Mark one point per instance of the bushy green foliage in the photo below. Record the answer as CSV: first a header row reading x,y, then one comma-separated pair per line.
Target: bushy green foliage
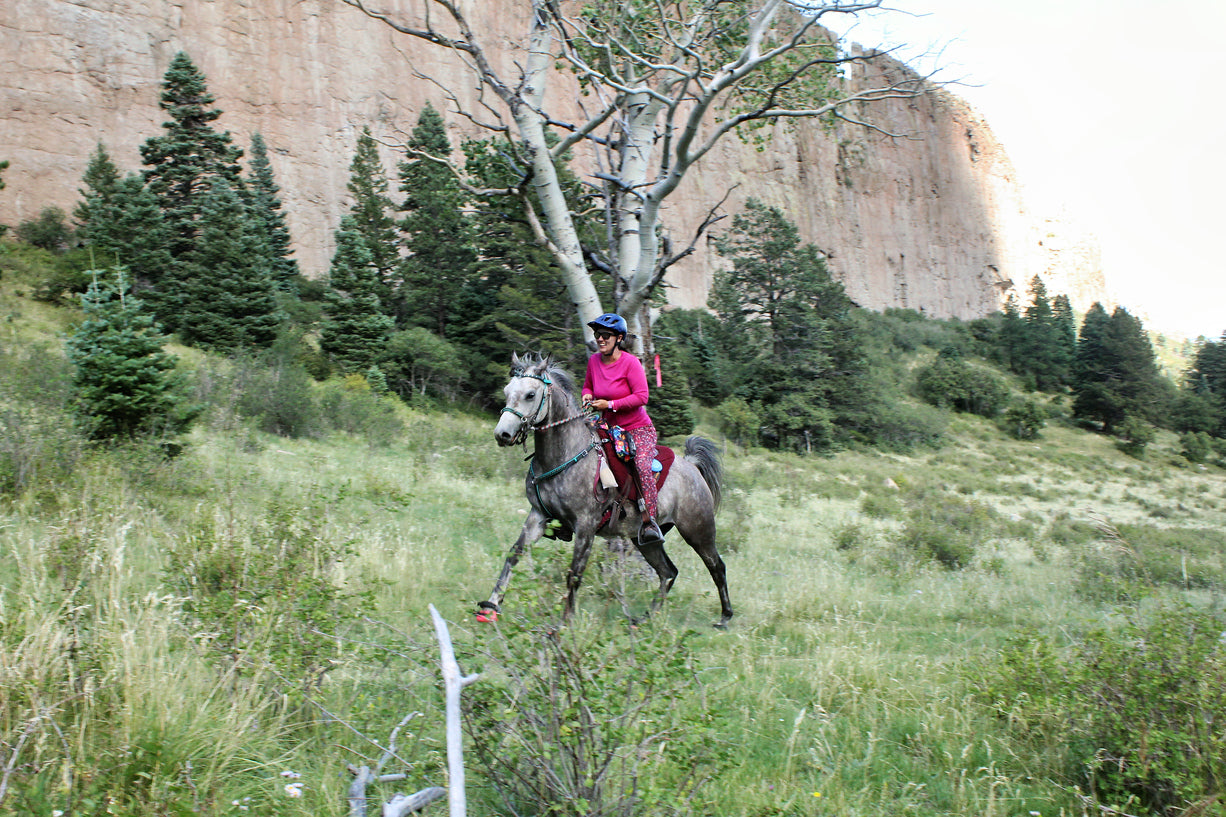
x,y
1024,419
1196,446
124,382
738,420
1136,707
1135,435
950,382
945,529
49,230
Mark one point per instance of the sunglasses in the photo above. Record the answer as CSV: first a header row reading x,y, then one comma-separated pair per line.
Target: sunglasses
x,y
604,335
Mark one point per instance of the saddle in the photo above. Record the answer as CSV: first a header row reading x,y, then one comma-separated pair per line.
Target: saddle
x,y
627,486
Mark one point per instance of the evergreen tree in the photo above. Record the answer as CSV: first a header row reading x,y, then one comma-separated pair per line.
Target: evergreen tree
x,y
437,233
670,400
269,219
101,178
355,331
514,297
127,227
1011,335
372,213
1066,336
1204,399
1116,373
1040,359
184,160
124,382
228,299
798,349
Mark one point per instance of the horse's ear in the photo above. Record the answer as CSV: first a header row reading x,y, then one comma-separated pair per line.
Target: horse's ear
x,y
516,363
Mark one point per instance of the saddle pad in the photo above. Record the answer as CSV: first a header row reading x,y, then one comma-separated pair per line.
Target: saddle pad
x,y
621,470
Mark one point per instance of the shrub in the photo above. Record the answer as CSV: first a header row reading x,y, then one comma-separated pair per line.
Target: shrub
x,y
946,530
1196,446
593,720
1134,436
50,231
1137,707
1024,420
950,382
352,406
738,420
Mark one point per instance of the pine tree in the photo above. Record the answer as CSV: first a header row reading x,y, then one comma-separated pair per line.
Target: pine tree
x,y
670,401
124,382
269,219
101,178
372,213
438,235
228,298
798,349
183,161
1116,375
514,296
355,331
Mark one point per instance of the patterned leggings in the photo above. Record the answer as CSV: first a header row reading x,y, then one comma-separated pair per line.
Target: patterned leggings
x,y
644,453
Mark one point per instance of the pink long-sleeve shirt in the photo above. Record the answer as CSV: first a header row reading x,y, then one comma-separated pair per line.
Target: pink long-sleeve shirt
x,y
625,384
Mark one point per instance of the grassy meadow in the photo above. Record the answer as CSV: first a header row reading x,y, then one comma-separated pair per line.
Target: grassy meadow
x,y
227,631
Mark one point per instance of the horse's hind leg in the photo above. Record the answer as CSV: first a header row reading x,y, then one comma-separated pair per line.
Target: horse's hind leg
x,y
700,535
534,528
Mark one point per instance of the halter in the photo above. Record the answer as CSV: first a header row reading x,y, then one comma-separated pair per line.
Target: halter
x,y
527,425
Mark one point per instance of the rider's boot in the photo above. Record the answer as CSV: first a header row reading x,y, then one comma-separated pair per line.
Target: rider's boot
x,y
649,529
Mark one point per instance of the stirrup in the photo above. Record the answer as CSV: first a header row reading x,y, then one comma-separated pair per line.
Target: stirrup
x,y
650,533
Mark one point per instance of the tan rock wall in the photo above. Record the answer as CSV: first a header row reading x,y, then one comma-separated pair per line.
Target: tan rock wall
x,y
931,219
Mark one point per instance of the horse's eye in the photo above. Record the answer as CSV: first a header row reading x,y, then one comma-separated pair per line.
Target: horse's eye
x,y
530,395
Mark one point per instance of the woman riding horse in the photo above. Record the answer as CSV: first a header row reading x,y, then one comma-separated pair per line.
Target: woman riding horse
x,y
616,385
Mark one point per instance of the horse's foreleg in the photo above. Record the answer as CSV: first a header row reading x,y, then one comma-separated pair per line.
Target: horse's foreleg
x,y
533,529
664,568
578,564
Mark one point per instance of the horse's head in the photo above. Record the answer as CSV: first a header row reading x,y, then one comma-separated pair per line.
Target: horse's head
x,y
528,399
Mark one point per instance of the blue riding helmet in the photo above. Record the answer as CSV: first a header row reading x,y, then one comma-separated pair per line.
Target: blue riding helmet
x,y
609,321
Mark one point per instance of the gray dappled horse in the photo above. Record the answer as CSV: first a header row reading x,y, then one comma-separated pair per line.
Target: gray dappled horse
x,y
563,484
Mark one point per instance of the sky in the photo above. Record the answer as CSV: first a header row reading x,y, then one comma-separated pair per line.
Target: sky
x,y
1113,116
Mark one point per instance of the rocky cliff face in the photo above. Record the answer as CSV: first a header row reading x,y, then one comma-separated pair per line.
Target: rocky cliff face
x,y
931,219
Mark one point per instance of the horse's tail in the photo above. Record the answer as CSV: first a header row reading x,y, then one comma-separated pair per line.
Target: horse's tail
x,y
705,456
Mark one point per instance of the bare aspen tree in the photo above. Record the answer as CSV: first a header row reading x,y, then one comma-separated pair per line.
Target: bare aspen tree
x,y
660,83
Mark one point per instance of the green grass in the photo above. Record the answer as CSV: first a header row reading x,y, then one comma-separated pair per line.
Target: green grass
x,y
847,683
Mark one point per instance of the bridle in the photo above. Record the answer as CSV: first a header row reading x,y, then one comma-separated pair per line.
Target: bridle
x,y
527,425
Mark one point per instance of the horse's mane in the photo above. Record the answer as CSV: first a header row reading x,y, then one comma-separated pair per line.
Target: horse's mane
x,y
544,365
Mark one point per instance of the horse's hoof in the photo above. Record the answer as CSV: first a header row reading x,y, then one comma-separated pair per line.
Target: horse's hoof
x,y
487,612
